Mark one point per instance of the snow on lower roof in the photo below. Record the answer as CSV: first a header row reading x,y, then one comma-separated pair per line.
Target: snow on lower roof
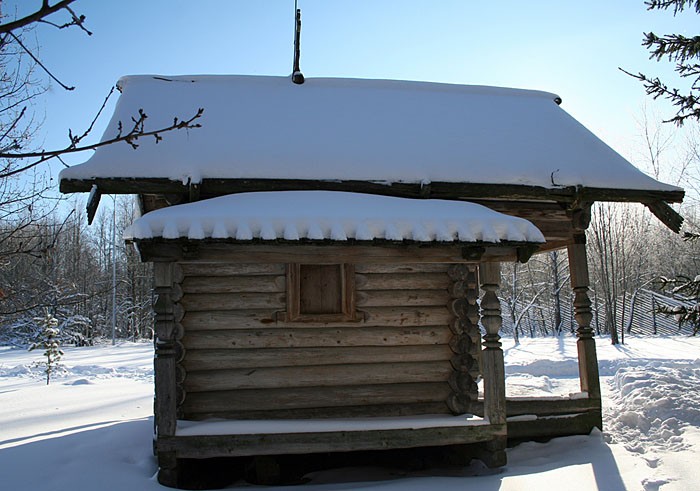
x,y
338,216
351,129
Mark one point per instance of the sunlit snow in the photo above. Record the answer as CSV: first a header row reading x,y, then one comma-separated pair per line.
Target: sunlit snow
x,y
294,215
92,427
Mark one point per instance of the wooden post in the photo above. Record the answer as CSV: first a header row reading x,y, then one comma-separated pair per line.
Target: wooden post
x,y
492,358
165,370
587,358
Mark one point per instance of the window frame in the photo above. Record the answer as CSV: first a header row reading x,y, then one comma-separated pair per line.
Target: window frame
x,y
347,304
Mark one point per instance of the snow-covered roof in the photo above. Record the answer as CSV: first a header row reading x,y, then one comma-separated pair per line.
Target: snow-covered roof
x,y
256,127
338,216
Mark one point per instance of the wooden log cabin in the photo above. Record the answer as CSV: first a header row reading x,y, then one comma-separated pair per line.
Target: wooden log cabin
x,y
319,253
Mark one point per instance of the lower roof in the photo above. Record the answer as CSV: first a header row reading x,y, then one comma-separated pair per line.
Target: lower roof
x,y
332,216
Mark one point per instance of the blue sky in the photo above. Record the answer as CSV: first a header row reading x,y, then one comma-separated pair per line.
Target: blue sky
x,y
570,48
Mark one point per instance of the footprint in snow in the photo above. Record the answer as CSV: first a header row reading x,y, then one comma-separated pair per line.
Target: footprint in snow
x,y
654,484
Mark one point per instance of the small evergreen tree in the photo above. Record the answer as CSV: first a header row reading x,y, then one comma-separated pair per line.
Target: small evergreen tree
x,y
49,342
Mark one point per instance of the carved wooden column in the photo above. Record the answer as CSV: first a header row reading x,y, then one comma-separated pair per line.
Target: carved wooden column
x,y
492,358
168,351
578,267
466,340
587,357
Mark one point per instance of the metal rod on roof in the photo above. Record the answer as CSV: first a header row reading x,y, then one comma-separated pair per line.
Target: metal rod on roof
x,y
297,76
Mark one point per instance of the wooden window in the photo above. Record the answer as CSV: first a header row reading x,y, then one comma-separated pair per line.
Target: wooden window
x,y
320,292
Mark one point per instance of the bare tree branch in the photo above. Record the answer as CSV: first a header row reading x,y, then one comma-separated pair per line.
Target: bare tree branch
x,y
76,20
44,11
36,60
137,131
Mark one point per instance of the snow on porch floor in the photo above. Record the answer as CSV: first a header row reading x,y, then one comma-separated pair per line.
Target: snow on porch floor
x,y
252,427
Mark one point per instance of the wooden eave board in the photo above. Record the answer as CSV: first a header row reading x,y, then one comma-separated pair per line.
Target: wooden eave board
x,y
324,252
440,190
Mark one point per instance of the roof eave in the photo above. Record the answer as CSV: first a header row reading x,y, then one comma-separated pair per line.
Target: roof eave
x,y
435,190
158,248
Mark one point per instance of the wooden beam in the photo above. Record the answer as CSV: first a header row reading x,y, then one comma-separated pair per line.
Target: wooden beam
x,y
315,376
209,446
311,397
271,319
223,359
553,426
519,406
364,411
210,270
301,337
234,284
670,217
408,298
93,202
317,252
402,281
438,190
201,302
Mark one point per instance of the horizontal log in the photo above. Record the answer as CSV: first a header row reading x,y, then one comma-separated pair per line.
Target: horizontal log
x,y
316,337
554,244
547,407
317,376
553,426
529,210
371,411
210,446
197,302
518,406
284,253
222,269
409,298
554,230
370,316
323,251
310,397
216,359
401,268
406,316
234,284
229,319
402,281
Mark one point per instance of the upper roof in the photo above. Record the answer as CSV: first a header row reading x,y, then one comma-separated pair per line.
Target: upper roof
x,y
335,216
256,127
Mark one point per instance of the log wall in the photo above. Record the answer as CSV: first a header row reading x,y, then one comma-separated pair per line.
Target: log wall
x,y
407,352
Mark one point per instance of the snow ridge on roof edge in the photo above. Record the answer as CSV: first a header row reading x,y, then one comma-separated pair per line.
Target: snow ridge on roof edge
x,y
390,84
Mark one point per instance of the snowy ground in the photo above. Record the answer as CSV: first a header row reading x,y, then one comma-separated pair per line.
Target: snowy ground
x,y
91,428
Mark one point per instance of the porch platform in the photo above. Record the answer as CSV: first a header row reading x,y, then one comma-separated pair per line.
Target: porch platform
x,y
207,439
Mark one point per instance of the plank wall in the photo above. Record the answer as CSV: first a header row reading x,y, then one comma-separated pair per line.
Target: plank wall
x,y
242,360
